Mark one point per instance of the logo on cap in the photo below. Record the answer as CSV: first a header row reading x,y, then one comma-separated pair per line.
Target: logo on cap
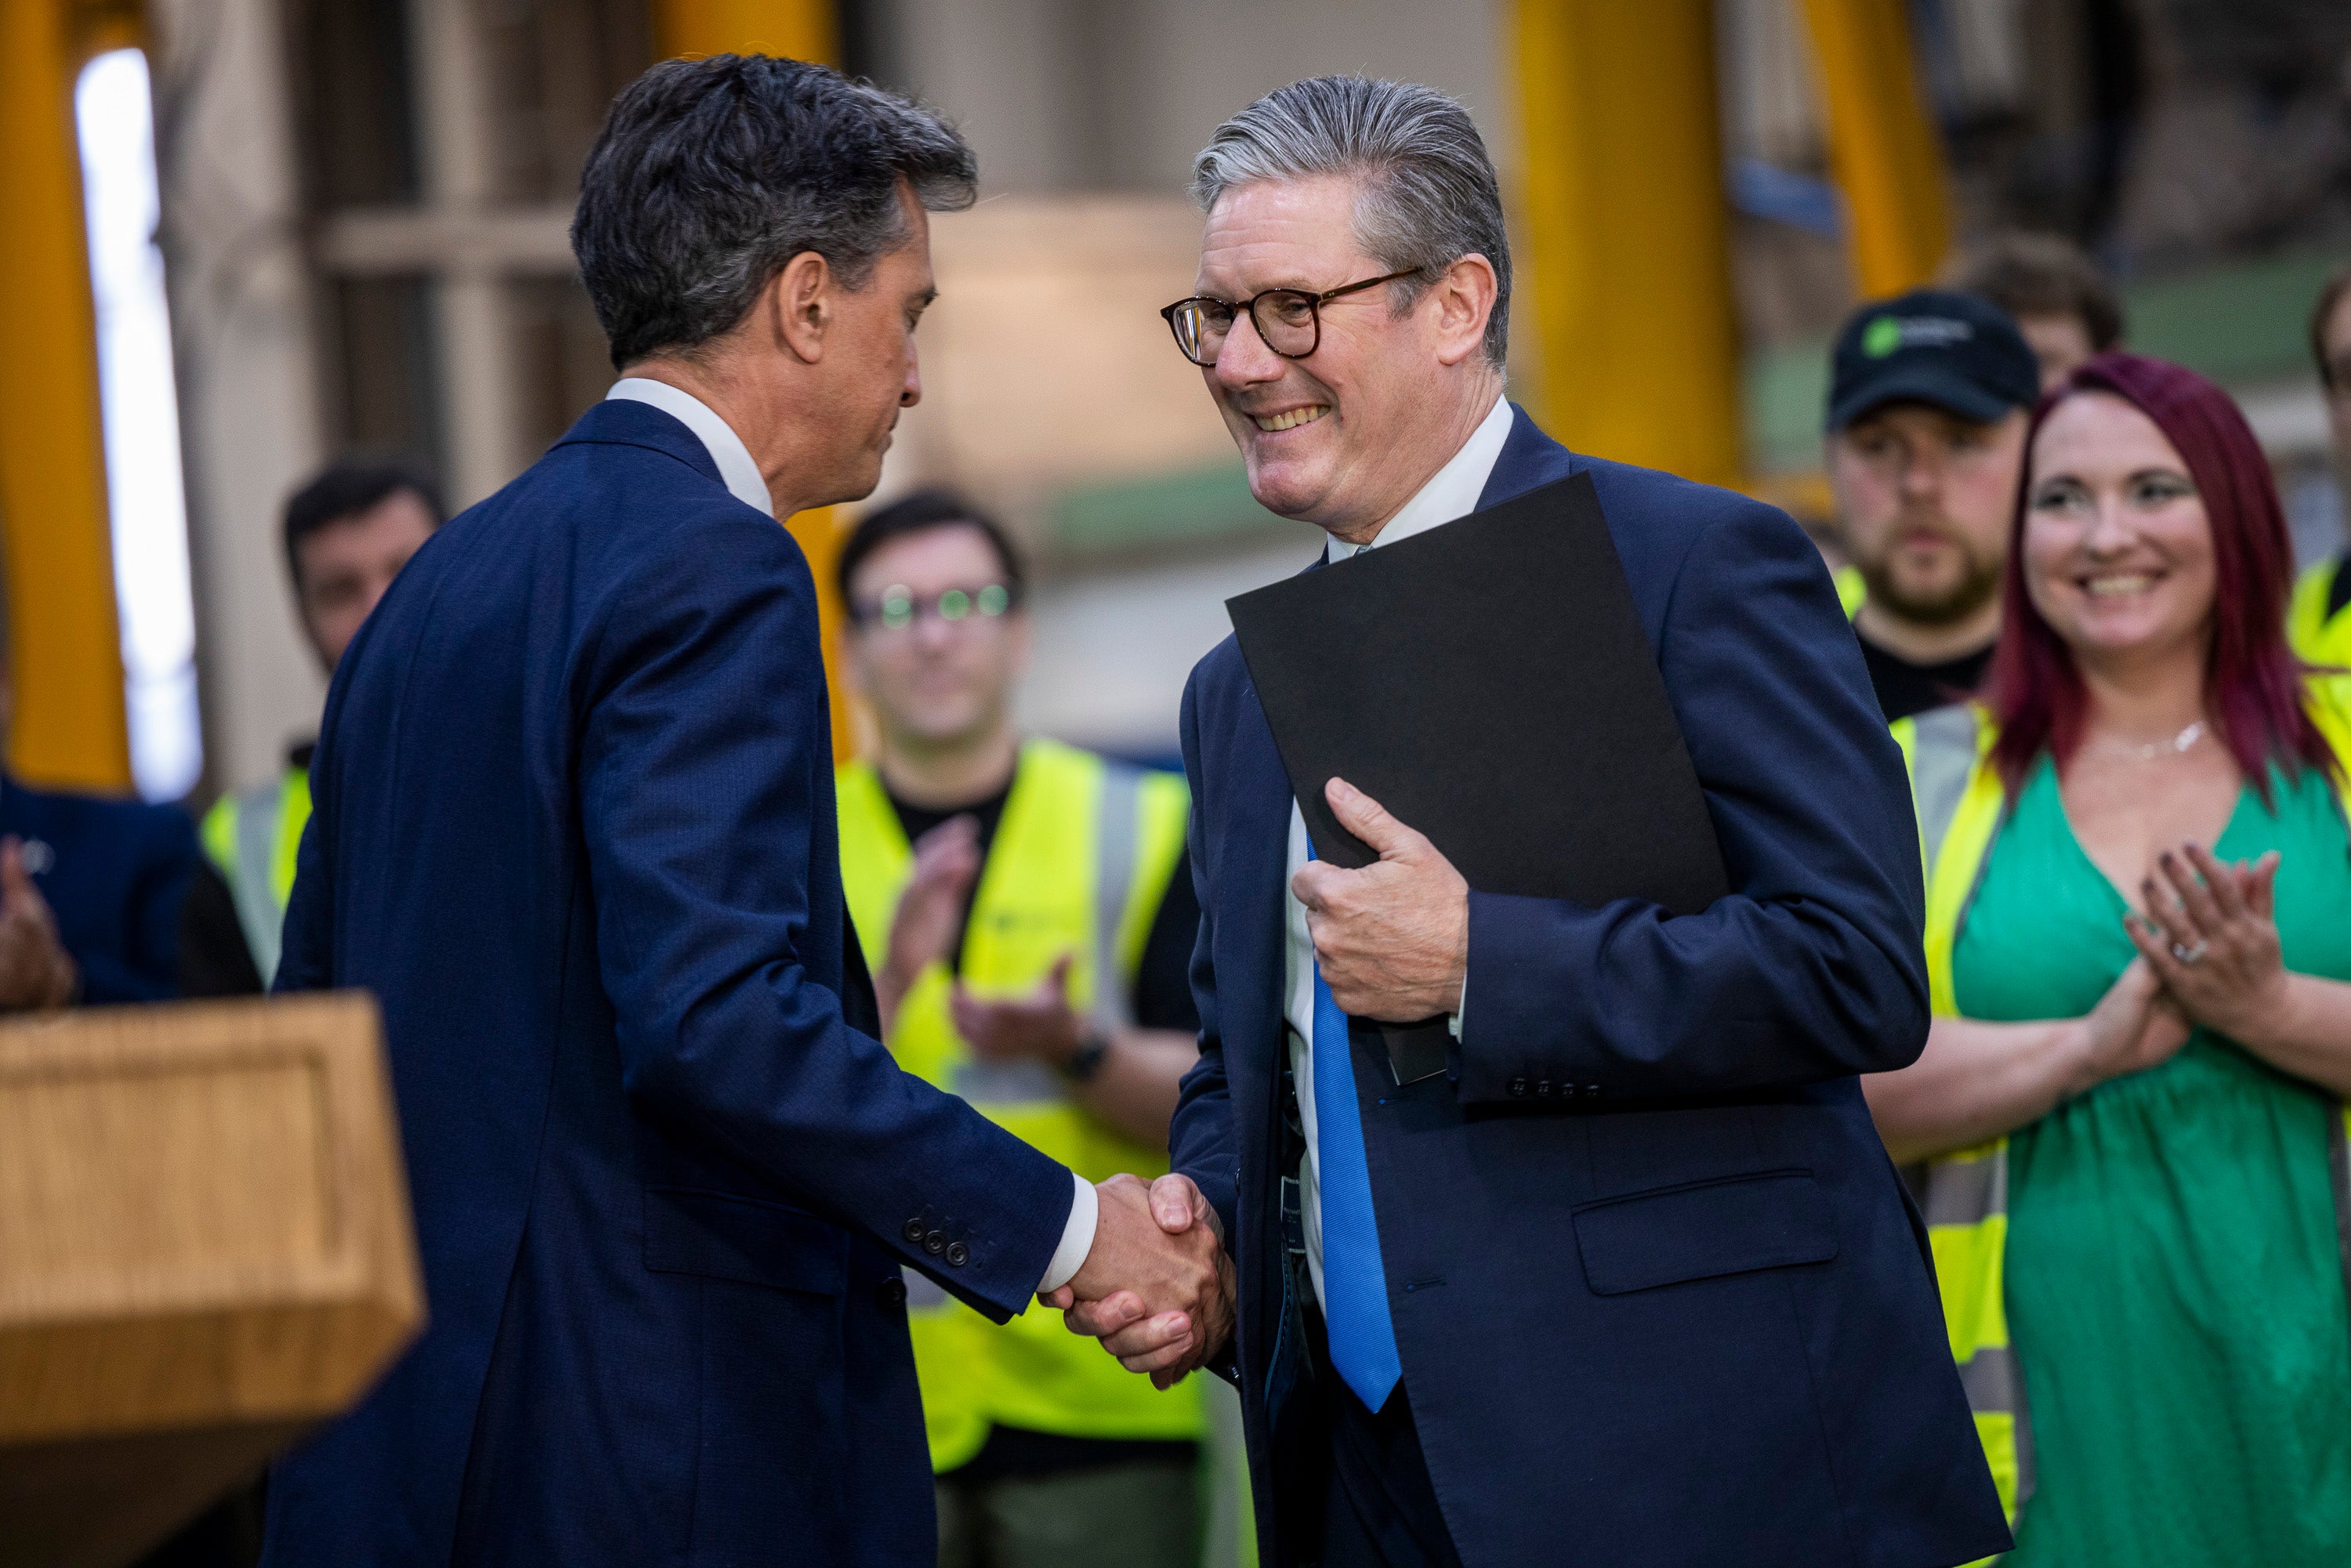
x,y
1887,333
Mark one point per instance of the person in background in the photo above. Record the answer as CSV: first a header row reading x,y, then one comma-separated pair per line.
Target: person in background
x,y
1028,916
2319,623
2133,1088
90,890
1926,427
2060,299
348,533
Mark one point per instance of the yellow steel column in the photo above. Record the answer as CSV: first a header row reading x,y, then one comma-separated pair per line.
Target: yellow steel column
x,y
1882,144
804,30
65,649
1625,244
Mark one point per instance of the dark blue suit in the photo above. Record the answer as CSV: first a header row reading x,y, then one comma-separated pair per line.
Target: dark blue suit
x,y
574,827
114,874
1685,1316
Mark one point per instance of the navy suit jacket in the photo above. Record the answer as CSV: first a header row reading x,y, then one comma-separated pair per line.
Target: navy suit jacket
x,y
574,827
114,874
1686,1314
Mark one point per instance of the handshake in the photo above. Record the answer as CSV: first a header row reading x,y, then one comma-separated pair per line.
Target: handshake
x,y
1158,1287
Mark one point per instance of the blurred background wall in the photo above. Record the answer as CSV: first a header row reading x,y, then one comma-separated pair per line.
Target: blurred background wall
x,y
353,234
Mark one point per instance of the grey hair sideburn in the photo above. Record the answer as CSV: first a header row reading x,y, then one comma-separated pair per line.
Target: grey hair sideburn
x,y
1426,192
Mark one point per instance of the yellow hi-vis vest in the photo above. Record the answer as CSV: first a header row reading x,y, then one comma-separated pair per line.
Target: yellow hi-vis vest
x,y
251,837
1961,808
1079,865
1851,591
2318,637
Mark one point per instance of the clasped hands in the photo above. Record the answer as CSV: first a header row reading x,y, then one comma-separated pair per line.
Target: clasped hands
x,y
1392,940
1157,1287
2209,955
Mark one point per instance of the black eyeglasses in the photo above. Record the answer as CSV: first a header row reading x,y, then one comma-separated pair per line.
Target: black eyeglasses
x,y
1289,319
898,609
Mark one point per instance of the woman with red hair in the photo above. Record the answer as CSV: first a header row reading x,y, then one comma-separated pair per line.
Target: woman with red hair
x,y
2138,935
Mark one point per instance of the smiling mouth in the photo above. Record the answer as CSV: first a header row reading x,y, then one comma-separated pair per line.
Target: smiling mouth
x,y
2117,584
1290,419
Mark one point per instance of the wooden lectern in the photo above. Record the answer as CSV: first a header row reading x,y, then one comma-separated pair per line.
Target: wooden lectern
x,y
204,1249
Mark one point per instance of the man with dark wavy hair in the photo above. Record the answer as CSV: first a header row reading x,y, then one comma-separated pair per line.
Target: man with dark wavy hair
x,y
574,825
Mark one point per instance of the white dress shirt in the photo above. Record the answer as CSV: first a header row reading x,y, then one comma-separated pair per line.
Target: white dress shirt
x,y
743,481
1451,492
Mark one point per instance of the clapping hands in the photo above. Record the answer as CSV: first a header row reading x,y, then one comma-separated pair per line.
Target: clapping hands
x,y
1157,1289
2209,934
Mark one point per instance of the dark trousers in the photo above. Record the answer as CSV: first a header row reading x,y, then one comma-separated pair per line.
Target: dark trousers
x,y
1379,1507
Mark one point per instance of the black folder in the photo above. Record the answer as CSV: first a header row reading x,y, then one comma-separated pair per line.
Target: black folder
x,y
1488,683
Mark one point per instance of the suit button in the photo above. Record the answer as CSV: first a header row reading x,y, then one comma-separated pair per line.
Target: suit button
x,y
958,1254
1591,1092
891,1293
936,1242
1518,1088
913,1231
1542,1090
1567,1091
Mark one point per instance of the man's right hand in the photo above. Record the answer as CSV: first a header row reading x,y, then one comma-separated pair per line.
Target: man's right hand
x,y
947,862
1166,1321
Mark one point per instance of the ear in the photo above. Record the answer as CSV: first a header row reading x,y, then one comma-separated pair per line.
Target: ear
x,y
1465,294
798,305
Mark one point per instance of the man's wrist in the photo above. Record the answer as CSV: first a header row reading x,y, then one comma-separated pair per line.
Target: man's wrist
x,y
1083,1064
1077,1236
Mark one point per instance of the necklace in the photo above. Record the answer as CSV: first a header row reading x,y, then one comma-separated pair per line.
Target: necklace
x,y
2152,749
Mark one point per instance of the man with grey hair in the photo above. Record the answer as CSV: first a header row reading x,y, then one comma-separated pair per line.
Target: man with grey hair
x,y
1632,1282
574,827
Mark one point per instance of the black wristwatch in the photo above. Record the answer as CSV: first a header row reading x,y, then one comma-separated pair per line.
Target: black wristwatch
x,y
1087,1060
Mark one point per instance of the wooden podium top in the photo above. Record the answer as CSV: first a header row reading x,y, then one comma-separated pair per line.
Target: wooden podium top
x,y
204,1248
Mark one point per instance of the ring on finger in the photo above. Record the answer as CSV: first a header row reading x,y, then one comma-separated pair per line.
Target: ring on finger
x,y
2188,954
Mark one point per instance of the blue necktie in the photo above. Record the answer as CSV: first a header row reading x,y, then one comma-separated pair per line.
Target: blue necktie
x,y
1354,1286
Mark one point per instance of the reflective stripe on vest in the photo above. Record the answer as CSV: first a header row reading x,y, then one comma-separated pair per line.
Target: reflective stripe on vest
x,y
1079,865
1962,806
252,838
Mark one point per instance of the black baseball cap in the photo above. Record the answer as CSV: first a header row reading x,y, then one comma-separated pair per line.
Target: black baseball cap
x,y
1954,351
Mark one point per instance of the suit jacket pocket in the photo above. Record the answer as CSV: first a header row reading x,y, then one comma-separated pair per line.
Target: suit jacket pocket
x,y
722,1237
1732,1226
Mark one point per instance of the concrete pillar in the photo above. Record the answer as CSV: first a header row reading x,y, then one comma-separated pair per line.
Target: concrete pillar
x,y
473,335
248,376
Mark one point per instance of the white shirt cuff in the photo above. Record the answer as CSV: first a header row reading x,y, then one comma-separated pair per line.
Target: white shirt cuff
x,y
1077,1237
1460,1005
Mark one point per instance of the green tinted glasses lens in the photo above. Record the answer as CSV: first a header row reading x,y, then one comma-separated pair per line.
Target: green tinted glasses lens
x,y
897,608
953,604
994,601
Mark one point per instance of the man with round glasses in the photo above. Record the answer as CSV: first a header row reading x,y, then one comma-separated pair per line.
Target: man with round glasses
x,y
1027,914
1632,1282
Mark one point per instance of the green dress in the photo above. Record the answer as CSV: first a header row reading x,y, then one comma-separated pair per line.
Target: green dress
x,y
2175,1286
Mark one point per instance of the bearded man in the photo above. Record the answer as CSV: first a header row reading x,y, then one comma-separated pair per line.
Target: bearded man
x,y
1925,434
